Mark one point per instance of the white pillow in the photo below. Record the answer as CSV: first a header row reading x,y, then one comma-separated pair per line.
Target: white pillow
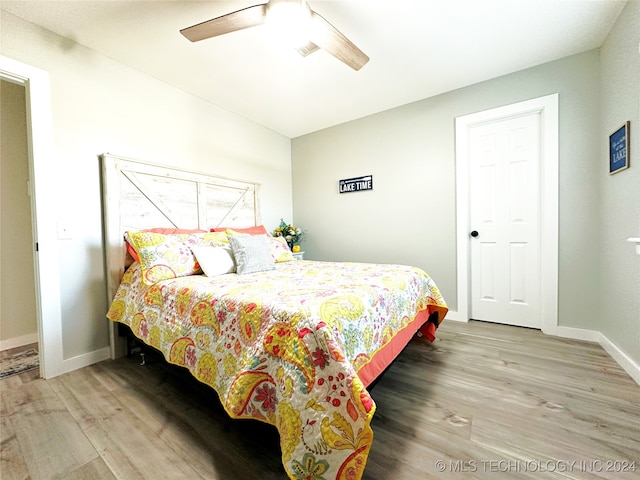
x,y
252,253
214,260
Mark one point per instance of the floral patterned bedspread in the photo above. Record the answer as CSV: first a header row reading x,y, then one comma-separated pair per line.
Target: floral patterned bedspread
x,y
285,346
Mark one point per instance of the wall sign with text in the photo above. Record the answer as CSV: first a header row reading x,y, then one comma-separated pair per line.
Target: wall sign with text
x,y
619,149
356,184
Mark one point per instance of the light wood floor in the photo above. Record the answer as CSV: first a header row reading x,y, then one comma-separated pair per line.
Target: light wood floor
x,y
489,401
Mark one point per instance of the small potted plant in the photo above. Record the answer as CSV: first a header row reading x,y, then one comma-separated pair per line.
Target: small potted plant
x,y
291,234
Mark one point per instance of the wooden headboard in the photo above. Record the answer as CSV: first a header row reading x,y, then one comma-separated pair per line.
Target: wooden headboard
x,y
138,195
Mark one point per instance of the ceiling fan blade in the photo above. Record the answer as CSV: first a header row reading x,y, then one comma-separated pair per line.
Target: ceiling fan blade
x,y
327,37
231,22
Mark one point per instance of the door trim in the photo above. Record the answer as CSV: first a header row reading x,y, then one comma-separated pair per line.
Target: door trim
x,y
547,107
43,210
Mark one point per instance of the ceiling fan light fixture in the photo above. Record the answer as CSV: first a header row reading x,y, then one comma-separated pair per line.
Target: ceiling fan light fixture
x,y
289,21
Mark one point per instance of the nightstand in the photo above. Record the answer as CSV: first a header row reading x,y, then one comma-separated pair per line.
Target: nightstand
x,y
298,255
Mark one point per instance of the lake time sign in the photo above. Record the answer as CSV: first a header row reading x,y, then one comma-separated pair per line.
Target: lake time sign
x,y
356,184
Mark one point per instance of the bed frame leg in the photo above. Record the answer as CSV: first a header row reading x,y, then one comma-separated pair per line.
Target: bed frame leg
x,y
142,360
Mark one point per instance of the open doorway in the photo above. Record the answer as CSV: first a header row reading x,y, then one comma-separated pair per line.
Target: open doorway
x,y
18,318
44,258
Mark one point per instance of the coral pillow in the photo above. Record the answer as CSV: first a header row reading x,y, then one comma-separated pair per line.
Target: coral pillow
x,y
257,230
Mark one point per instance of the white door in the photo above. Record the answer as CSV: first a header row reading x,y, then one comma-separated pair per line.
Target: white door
x,y
504,189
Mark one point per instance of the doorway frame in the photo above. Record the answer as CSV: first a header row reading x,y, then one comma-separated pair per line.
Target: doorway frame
x,y
43,210
547,107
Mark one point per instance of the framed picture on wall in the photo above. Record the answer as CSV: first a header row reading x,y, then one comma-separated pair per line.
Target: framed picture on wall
x,y
619,149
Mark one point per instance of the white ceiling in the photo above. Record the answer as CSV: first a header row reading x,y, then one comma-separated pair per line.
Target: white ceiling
x,y
418,48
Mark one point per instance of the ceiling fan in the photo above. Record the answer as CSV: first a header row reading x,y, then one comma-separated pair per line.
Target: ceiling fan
x,y
311,30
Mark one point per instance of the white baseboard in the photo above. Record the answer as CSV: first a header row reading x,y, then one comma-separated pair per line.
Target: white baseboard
x,y
455,316
625,361
85,360
576,333
18,341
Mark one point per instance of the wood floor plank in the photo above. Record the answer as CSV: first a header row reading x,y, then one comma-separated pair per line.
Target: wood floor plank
x,y
539,444
85,397
132,451
175,408
92,404
96,469
12,462
200,428
50,440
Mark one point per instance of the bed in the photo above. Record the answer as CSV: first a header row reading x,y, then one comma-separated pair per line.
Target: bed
x,y
293,343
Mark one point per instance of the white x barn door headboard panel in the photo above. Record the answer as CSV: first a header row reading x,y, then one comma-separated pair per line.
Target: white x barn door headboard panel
x,y
138,195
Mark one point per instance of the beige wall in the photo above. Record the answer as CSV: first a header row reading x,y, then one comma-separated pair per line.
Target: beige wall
x,y
99,105
17,284
620,193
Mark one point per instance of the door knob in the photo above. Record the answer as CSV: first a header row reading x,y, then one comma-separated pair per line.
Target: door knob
x,y
474,234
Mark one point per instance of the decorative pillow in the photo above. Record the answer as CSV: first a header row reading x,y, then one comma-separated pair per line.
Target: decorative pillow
x,y
257,230
214,260
280,250
164,231
247,231
252,253
170,256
